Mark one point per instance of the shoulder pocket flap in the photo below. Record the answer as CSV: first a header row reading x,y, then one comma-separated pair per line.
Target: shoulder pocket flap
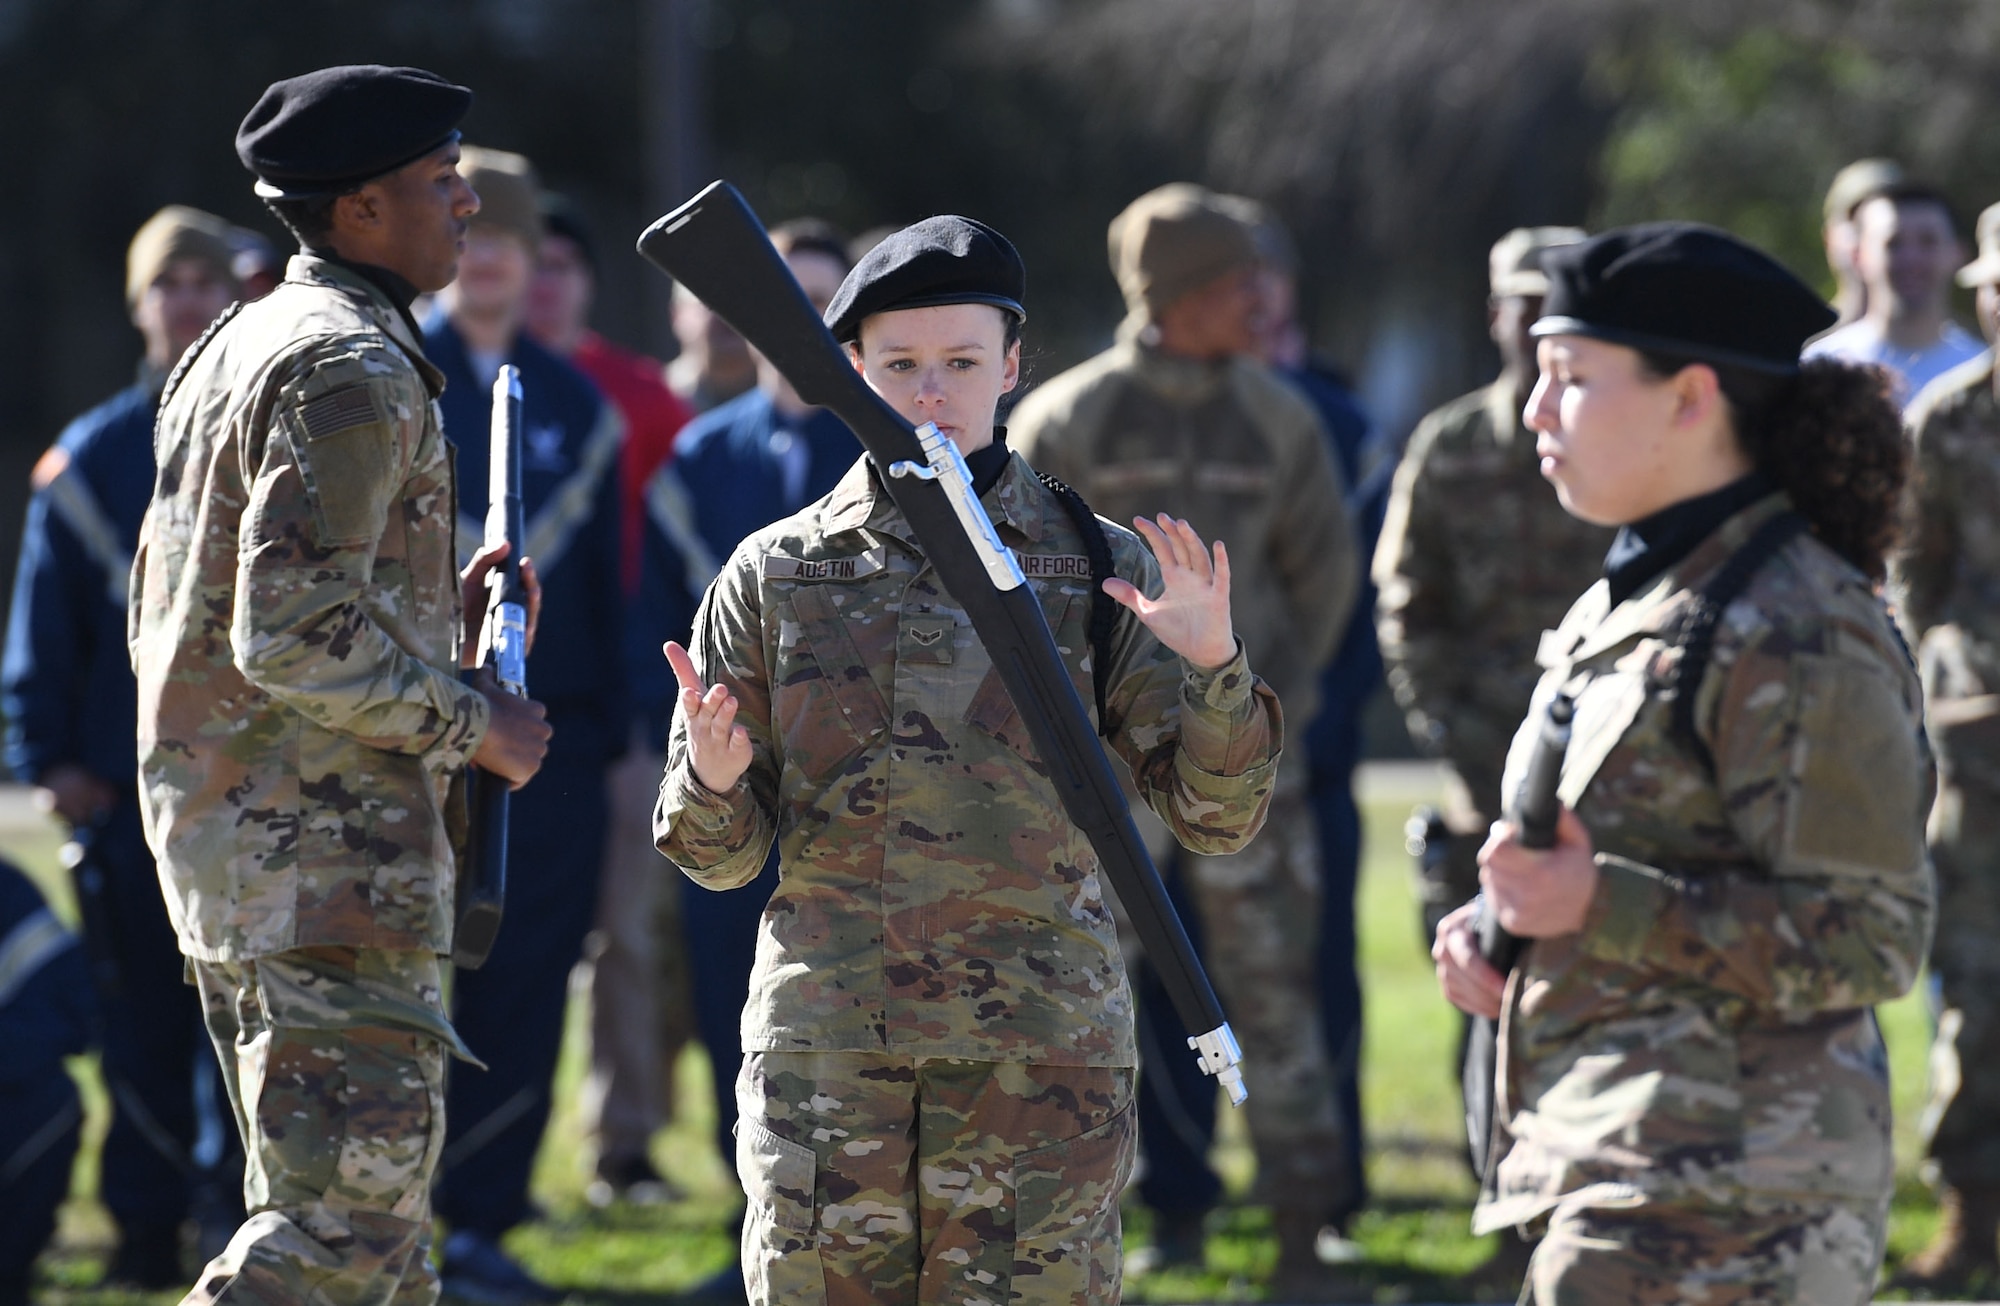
x,y
840,662
1072,1182
778,1173
344,443
1860,772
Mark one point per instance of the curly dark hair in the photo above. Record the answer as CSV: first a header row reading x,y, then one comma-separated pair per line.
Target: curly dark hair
x,y
1832,438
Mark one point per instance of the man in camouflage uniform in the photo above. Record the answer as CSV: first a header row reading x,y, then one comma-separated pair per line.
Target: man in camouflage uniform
x,y
1947,585
1476,560
936,1092
1180,417
296,630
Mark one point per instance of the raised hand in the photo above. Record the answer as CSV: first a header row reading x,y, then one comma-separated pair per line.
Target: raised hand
x,y
1191,616
718,748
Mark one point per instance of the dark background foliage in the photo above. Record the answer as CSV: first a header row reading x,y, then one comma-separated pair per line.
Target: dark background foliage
x,y
1397,137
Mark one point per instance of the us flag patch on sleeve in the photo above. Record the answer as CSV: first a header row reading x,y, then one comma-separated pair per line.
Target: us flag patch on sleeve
x,y
343,410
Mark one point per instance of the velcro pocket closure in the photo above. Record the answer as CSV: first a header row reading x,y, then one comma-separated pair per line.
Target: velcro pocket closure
x,y
1072,1182
344,443
841,665
1859,772
777,1174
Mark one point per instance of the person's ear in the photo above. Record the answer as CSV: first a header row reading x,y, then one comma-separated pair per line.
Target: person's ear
x,y
854,356
1010,371
359,210
1697,395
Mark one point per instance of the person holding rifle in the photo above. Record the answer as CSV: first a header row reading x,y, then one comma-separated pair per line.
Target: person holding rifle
x,y
937,1082
1692,1091
298,630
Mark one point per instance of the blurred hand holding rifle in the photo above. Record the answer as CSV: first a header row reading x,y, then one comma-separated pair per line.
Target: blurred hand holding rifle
x,y
503,651
1536,810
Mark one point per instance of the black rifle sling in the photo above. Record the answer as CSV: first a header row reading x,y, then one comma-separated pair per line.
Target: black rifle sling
x,y
1103,608
1697,639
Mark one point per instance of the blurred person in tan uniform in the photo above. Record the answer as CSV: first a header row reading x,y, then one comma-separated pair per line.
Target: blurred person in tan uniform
x,y
1180,416
1946,581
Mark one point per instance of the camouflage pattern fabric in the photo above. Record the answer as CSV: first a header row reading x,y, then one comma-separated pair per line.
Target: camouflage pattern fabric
x,y
333,1059
1241,456
1238,453
1824,1253
1260,914
879,1178
1946,584
295,630
1476,559
934,899
1704,1044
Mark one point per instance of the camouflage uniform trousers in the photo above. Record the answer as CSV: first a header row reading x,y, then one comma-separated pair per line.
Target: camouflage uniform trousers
x,y
875,1178
1961,1123
1824,1254
333,1058
1259,911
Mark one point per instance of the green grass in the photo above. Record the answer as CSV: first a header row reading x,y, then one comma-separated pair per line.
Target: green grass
x,y
1416,1233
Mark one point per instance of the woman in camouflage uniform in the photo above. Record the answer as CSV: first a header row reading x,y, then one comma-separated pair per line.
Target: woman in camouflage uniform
x,y
1694,1089
937,1081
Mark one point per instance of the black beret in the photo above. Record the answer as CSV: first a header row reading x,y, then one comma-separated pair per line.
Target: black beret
x,y
1682,288
942,260
329,131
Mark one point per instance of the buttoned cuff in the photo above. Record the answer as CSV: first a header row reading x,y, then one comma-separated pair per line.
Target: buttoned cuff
x,y
1626,908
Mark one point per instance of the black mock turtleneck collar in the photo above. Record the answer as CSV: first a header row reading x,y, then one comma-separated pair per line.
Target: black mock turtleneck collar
x,y
400,291
1645,548
987,462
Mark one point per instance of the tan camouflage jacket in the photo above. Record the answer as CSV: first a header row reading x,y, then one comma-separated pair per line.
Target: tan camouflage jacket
x,y
933,897
1947,579
1476,559
295,630
1240,455
1707,1036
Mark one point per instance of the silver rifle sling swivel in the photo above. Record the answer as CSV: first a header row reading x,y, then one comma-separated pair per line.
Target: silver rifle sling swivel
x,y
946,465
1220,1056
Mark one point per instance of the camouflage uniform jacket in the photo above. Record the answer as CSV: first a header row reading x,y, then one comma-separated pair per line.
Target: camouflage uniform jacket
x,y
934,899
295,630
1241,456
1947,580
1477,558
1706,1037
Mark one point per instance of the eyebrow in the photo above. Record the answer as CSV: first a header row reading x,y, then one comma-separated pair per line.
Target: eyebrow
x,y
949,349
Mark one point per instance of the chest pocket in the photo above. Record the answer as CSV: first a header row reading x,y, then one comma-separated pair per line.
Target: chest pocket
x,y
992,709
842,669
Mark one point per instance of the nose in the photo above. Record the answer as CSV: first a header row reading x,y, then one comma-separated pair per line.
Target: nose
x,y
1540,413
930,387
466,203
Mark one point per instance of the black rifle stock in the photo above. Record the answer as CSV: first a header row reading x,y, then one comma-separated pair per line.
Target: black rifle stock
x,y
1535,813
715,246
503,648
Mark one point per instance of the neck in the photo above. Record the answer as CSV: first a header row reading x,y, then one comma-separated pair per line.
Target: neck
x,y
1906,326
564,342
783,398
488,331
1850,301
